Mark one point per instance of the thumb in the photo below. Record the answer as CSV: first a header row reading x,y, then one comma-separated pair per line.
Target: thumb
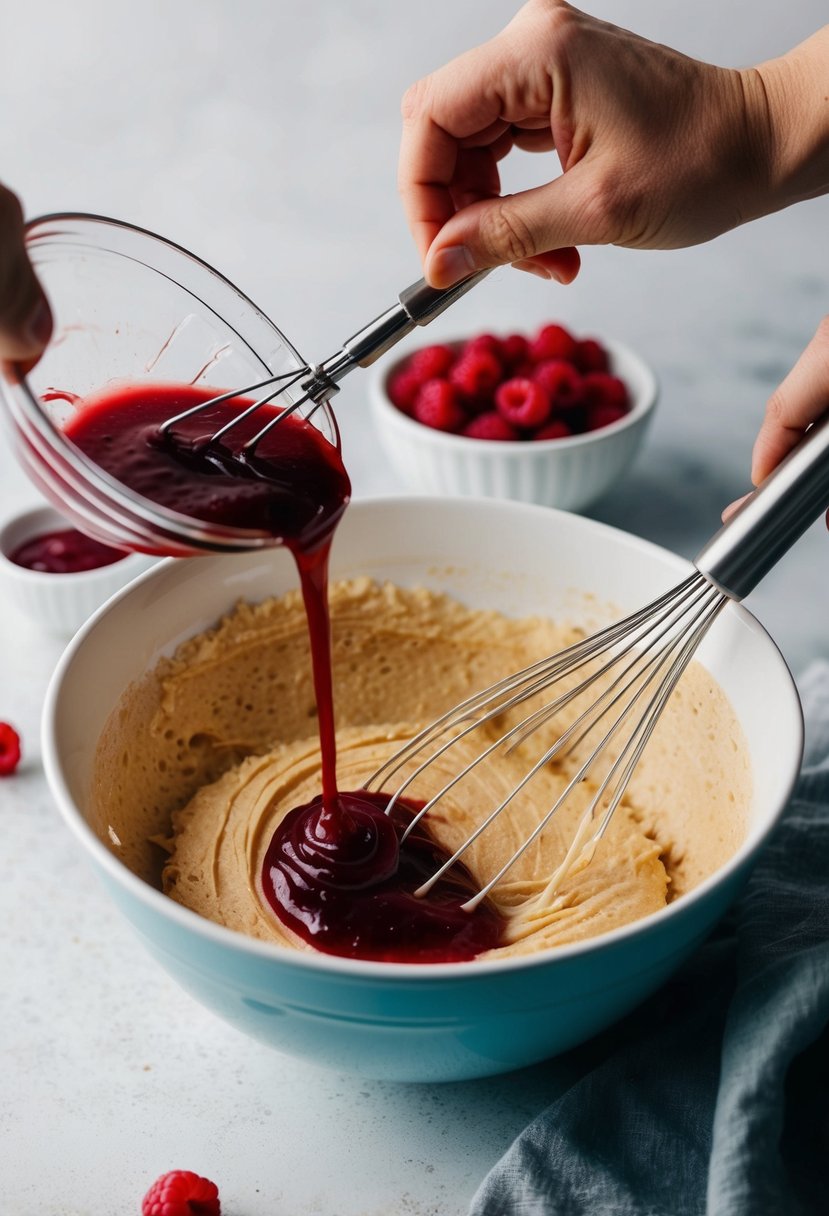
x,y
515,228
25,316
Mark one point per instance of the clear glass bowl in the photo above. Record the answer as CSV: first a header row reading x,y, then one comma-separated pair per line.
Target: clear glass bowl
x,y
132,307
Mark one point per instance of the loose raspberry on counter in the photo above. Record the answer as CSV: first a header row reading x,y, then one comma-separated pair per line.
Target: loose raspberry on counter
x,y
9,749
437,406
181,1193
490,425
476,374
524,403
553,342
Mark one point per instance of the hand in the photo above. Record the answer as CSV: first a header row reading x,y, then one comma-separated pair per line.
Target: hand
x,y
658,151
800,400
25,316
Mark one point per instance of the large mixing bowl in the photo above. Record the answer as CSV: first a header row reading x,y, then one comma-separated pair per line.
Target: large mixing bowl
x,y
437,1021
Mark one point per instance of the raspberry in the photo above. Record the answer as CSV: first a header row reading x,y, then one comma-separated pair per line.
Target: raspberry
x,y
9,749
476,373
561,382
553,342
181,1193
556,428
523,403
431,362
591,356
515,350
600,388
603,413
403,388
487,342
437,406
490,425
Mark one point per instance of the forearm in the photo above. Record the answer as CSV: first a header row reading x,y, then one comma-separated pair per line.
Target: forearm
x,y
791,107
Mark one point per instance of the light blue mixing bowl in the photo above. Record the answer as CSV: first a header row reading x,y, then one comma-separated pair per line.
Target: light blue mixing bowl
x,y
405,1022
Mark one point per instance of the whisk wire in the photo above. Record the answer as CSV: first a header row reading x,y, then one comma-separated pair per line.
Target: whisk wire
x,y
624,765
544,670
522,730
641,656
582,845
201,406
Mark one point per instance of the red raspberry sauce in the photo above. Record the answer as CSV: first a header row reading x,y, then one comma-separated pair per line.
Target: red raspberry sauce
x,y
342,880
295,488
64,551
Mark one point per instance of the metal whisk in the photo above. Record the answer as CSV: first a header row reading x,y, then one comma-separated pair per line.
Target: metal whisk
x,y
315,384
631,668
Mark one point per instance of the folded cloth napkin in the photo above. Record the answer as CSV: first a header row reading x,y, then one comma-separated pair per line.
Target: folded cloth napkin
x,y
712,1099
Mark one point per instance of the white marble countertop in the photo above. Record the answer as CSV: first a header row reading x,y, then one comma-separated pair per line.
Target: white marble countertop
x,y
264,137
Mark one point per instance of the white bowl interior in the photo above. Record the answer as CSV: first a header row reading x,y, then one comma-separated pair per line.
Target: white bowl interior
x,y
515,558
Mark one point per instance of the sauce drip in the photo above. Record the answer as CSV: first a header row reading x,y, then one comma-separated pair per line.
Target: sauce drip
x,y
341,878
335,871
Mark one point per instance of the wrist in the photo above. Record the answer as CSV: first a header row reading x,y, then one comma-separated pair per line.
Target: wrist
x,y
787,107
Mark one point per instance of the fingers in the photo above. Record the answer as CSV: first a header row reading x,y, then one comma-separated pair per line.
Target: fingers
x,y
25,316
800,400
547,220
479,100
429,150
560,264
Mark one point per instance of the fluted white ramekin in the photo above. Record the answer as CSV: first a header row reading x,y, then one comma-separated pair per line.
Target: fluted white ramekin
x,y
569,473
60,603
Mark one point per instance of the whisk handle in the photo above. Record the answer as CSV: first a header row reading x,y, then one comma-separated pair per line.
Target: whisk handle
x,y
769,522
417,305
423,303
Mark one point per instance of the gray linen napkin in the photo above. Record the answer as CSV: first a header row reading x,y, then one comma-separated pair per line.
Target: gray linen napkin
x,y
711,1099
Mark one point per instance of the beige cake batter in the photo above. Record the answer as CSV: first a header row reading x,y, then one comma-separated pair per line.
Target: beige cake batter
x,y
201,760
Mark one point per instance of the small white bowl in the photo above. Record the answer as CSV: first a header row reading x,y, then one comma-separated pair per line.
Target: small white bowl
x,y
60,603
569,473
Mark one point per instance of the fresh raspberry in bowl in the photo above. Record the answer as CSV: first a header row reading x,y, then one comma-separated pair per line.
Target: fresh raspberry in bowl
x,y
524,403
490,425
437,405
476,374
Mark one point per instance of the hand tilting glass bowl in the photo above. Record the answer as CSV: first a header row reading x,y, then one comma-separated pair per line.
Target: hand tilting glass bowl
x,y
131,307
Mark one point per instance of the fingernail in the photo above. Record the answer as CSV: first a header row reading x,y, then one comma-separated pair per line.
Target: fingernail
x,y
39,328
450,265
733,507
